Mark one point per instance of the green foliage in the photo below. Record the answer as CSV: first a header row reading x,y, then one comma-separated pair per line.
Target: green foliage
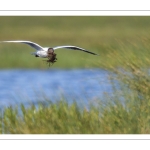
x,y
59,118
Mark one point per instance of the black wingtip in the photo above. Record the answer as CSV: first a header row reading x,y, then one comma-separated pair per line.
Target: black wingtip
x,y
92,53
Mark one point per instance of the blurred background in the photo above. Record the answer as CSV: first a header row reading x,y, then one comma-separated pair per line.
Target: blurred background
x,y
80,93
100,34
118,41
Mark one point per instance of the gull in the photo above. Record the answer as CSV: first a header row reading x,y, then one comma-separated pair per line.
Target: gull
x,y
48,52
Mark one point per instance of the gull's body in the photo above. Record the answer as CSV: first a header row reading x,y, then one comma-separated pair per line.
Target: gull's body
x,y
45,51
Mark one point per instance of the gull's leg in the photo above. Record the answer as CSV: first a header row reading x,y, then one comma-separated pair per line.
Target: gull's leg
x,y
36,55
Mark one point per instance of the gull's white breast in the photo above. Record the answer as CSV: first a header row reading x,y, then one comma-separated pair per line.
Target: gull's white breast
x,y
42,54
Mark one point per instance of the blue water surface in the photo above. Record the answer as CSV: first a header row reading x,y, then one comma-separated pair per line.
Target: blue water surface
x,y
30,86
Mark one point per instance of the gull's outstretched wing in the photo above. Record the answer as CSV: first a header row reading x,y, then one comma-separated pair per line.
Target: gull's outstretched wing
x,y
74,48
34,45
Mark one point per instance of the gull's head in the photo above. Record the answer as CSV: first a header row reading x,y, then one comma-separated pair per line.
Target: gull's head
x,y
51,56
50,50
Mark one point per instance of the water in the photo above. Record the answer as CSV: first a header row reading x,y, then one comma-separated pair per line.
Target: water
x,y
29,86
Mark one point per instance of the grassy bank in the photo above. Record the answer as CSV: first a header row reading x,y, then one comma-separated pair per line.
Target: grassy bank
x,y
116,39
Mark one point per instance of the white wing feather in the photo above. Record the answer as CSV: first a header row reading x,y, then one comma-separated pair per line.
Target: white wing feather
x,y
74,48
34,45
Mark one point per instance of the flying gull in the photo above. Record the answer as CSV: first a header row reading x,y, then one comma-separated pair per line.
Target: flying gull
x,y
48,52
